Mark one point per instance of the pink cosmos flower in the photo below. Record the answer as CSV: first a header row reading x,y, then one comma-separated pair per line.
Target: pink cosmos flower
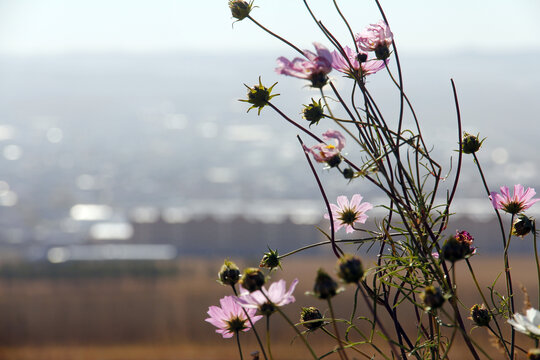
x,y
375,37
522,199
358,61
276,293
314,68
230,318
328,153
346,213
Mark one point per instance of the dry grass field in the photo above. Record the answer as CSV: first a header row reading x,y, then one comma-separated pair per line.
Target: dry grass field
x,y
162,318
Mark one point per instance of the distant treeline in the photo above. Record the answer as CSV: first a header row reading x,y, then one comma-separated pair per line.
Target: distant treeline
x,y
88,269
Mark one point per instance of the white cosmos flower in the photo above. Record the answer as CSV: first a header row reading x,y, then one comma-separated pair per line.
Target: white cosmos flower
x,y
528,324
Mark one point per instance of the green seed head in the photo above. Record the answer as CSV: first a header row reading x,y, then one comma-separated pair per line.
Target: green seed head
x,y
270,260
313,112
240,9
349,269
470,143
432,297
311,314
325,287
252,279
480,315
523,225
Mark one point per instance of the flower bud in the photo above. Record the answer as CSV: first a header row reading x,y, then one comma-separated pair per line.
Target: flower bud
x,y
270,260
458,247
309,314
523,225
334,161
318,79
313,112
533,354
240,9
325,287
267,309
259,96
361,57
382,52
349,268
432,297
348,173
470,143
252,279
229,274
480,315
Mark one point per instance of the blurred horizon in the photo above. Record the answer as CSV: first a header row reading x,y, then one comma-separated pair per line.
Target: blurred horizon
x,y
115,149
130,170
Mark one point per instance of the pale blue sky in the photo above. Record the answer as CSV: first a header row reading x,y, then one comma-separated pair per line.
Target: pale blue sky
x,y
67,26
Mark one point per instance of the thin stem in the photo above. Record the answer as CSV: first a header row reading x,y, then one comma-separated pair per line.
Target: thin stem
x,y
352,241
460,157
336,121
355,303
275,35
292,325
336,249
345,343
238,343
507,274
383,330
508,342
342,353
268,337
454,278
252,326
398,65
509,285
432,337
449,345
499,335
537,263
465,336
346,24
468,341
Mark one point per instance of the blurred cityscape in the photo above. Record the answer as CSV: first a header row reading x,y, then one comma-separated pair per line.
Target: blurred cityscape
x,y
119,156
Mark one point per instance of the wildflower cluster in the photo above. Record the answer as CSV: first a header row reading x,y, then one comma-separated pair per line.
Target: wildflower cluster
x,y
415,254
237,313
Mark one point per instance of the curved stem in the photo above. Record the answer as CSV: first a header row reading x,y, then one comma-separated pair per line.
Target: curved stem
x,y
336,249
336,121
537,263
292,325
238,343
499,335
509,285
268,337
252,327
345,343
355,303
503,235
466,336
352,241
275,35
342,353
383,330
449,345
346,24
505,342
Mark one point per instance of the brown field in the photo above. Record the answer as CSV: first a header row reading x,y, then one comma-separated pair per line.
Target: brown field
x,y
162,318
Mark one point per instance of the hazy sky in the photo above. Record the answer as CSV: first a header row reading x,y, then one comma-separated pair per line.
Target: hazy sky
x,y
67,26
